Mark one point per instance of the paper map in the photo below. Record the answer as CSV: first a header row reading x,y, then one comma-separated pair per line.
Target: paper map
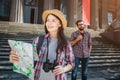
x,y
25,52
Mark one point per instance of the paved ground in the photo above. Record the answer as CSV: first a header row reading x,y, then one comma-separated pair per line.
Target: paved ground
x,y
104,74
93,74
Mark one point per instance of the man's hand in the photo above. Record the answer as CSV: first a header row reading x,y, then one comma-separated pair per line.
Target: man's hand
x,y
80,37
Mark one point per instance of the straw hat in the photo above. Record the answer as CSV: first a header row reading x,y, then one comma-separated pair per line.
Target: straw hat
x,y
57,13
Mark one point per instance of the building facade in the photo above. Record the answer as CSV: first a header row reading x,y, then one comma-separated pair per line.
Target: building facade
x,y
102,12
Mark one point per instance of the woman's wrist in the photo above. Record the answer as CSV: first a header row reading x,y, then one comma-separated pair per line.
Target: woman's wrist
x,y
67,68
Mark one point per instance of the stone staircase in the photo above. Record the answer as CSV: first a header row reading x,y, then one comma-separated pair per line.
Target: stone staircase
x,y
104,55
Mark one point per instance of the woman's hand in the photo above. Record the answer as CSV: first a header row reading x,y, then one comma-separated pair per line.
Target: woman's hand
x,y
13,57
58,70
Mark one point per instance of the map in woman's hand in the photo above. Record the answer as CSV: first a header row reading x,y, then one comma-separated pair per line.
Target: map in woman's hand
x,y
25,52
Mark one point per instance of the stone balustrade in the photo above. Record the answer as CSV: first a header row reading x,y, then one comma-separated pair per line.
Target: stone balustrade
x,y
10,27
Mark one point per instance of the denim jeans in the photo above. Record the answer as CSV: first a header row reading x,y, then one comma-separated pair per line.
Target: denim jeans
x,y
84,67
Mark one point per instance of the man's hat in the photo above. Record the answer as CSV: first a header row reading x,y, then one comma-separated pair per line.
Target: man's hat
x,y
56,12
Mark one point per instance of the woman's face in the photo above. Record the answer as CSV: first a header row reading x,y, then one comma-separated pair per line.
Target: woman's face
x,y
52,23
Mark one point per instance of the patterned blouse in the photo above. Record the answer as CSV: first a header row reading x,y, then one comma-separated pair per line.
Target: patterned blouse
x,y
62,60
81,49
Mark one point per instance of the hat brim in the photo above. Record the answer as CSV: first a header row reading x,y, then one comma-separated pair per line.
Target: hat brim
x,y
56,12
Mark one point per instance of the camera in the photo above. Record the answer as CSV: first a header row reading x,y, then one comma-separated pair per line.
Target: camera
x,y
47,66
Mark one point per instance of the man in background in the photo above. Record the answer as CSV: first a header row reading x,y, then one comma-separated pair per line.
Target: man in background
x,y
82,46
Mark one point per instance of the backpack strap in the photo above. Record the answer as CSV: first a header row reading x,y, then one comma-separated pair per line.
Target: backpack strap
x,y
40,42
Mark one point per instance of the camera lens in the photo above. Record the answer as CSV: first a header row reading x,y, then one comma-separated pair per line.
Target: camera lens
x,y
46,67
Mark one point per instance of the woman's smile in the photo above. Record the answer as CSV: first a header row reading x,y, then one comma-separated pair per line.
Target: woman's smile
x,y
50,27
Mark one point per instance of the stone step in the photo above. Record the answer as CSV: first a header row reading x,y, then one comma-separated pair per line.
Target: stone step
x,y
2,41
102,45
18,34
5,63
11,75
23,38
104,61
112,49
5,50
92,64
6,40
93,52
104,57
31,38
101,41
103,65
93,55
5,45
92,59
4,53
4,58
104,51
6,68
105,54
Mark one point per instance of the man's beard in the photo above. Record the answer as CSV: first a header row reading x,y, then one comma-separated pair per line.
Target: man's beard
x,y
81,29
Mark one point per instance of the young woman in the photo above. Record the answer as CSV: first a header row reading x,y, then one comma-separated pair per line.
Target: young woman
x,y
56,55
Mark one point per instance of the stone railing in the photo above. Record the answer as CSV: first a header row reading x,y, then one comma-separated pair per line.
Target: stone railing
x,y
13,28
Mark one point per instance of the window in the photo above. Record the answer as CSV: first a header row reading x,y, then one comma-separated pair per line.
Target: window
x,y
110,17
